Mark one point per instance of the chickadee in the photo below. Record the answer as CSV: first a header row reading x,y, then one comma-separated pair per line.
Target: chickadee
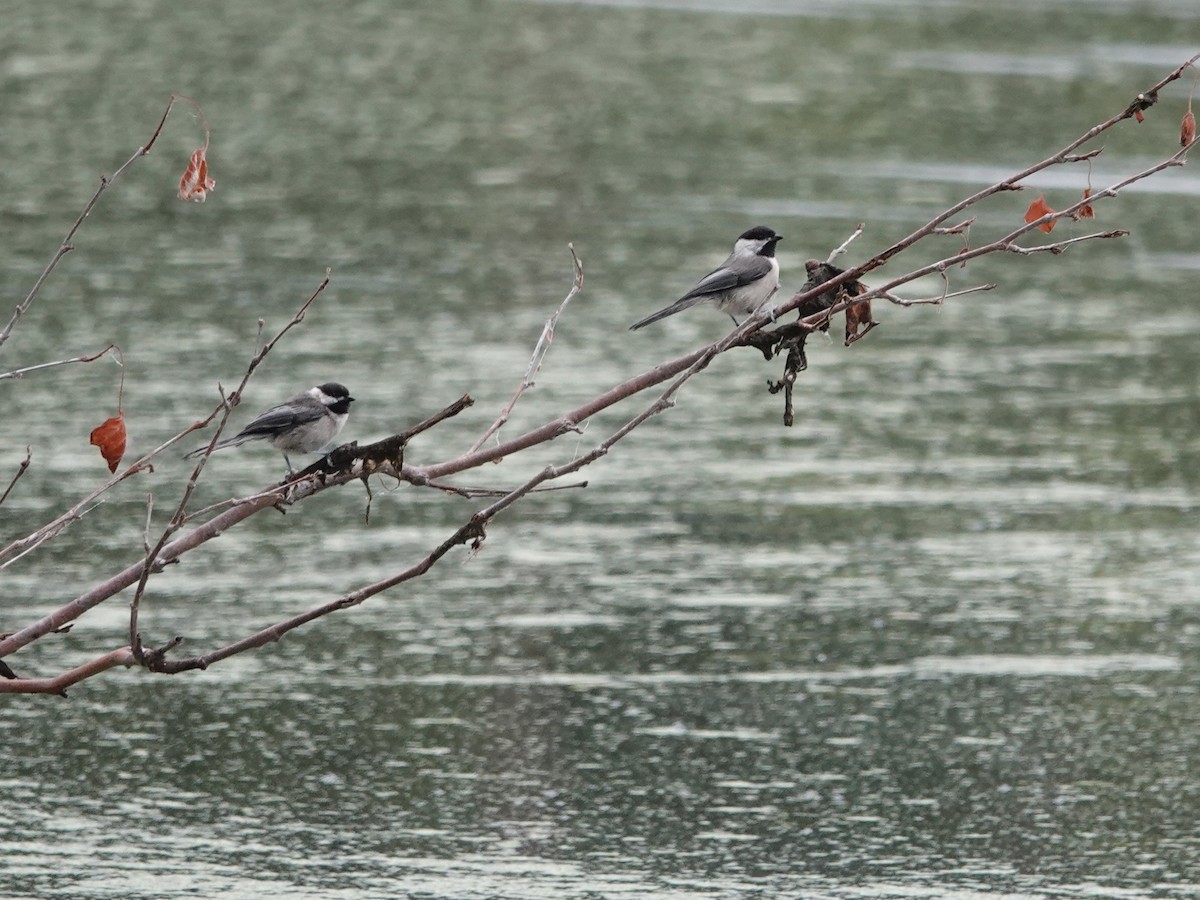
x,y
741,284
304,423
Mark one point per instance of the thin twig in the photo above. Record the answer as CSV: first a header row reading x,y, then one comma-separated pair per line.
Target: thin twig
x,y
437,418
20,373
937,301
1002,244
472,493
960,228
1059,246
539,354
1067,154
66,247
841,249
22,546
146,528
21,470
180,515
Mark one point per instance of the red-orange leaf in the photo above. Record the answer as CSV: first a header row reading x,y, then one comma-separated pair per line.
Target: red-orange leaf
x,y
1187,129
1037,209
1086,211
109,436
195,183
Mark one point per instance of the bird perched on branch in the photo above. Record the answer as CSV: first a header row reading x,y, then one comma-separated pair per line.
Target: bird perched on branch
x,y
305,423
741,284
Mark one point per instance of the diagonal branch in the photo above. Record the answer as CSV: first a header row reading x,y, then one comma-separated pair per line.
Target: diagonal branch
x,y
180,514
937,301
21,469
60,683
290,492
1060,246
675,373
539,355
1141,102
473,531
21,373
1002,244
66,247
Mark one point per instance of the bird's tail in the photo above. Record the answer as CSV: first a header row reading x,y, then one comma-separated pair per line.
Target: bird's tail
x,y
675,307
235,441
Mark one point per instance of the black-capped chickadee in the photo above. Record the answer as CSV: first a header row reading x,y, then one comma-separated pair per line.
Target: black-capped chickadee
x,y
741,284
304,423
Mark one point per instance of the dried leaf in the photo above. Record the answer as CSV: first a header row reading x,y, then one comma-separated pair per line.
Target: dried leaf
x,y
1086,211
1037,209
858,320
109,436
195,183
1187,129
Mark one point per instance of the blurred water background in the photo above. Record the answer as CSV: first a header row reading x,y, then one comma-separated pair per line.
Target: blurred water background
x,y
938,639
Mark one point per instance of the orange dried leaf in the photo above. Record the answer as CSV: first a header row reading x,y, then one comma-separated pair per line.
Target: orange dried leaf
x,y
1086,211
195,183
1037,209
109,436
1187,129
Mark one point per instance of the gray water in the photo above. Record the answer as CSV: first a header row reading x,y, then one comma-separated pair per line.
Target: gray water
x,y
938,639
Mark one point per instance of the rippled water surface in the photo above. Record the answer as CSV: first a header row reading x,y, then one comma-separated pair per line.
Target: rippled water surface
x,y
939,639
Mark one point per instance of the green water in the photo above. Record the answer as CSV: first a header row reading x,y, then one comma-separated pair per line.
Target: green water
x,y
938,639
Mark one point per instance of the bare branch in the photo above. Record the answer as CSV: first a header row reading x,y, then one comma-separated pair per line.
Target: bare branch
x,y
937,301
1002,244
66,247
841,249
352,462
60,683
473,531
1060,246
146,528
232,400
961,228
474,492
1083,157
22,546
1141,102
437,418
20,373
21,469
180,514
539,354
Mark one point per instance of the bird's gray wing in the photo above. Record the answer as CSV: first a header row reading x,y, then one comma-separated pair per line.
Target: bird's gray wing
x,y
285,415
728,277
723,279
270,423
277,417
